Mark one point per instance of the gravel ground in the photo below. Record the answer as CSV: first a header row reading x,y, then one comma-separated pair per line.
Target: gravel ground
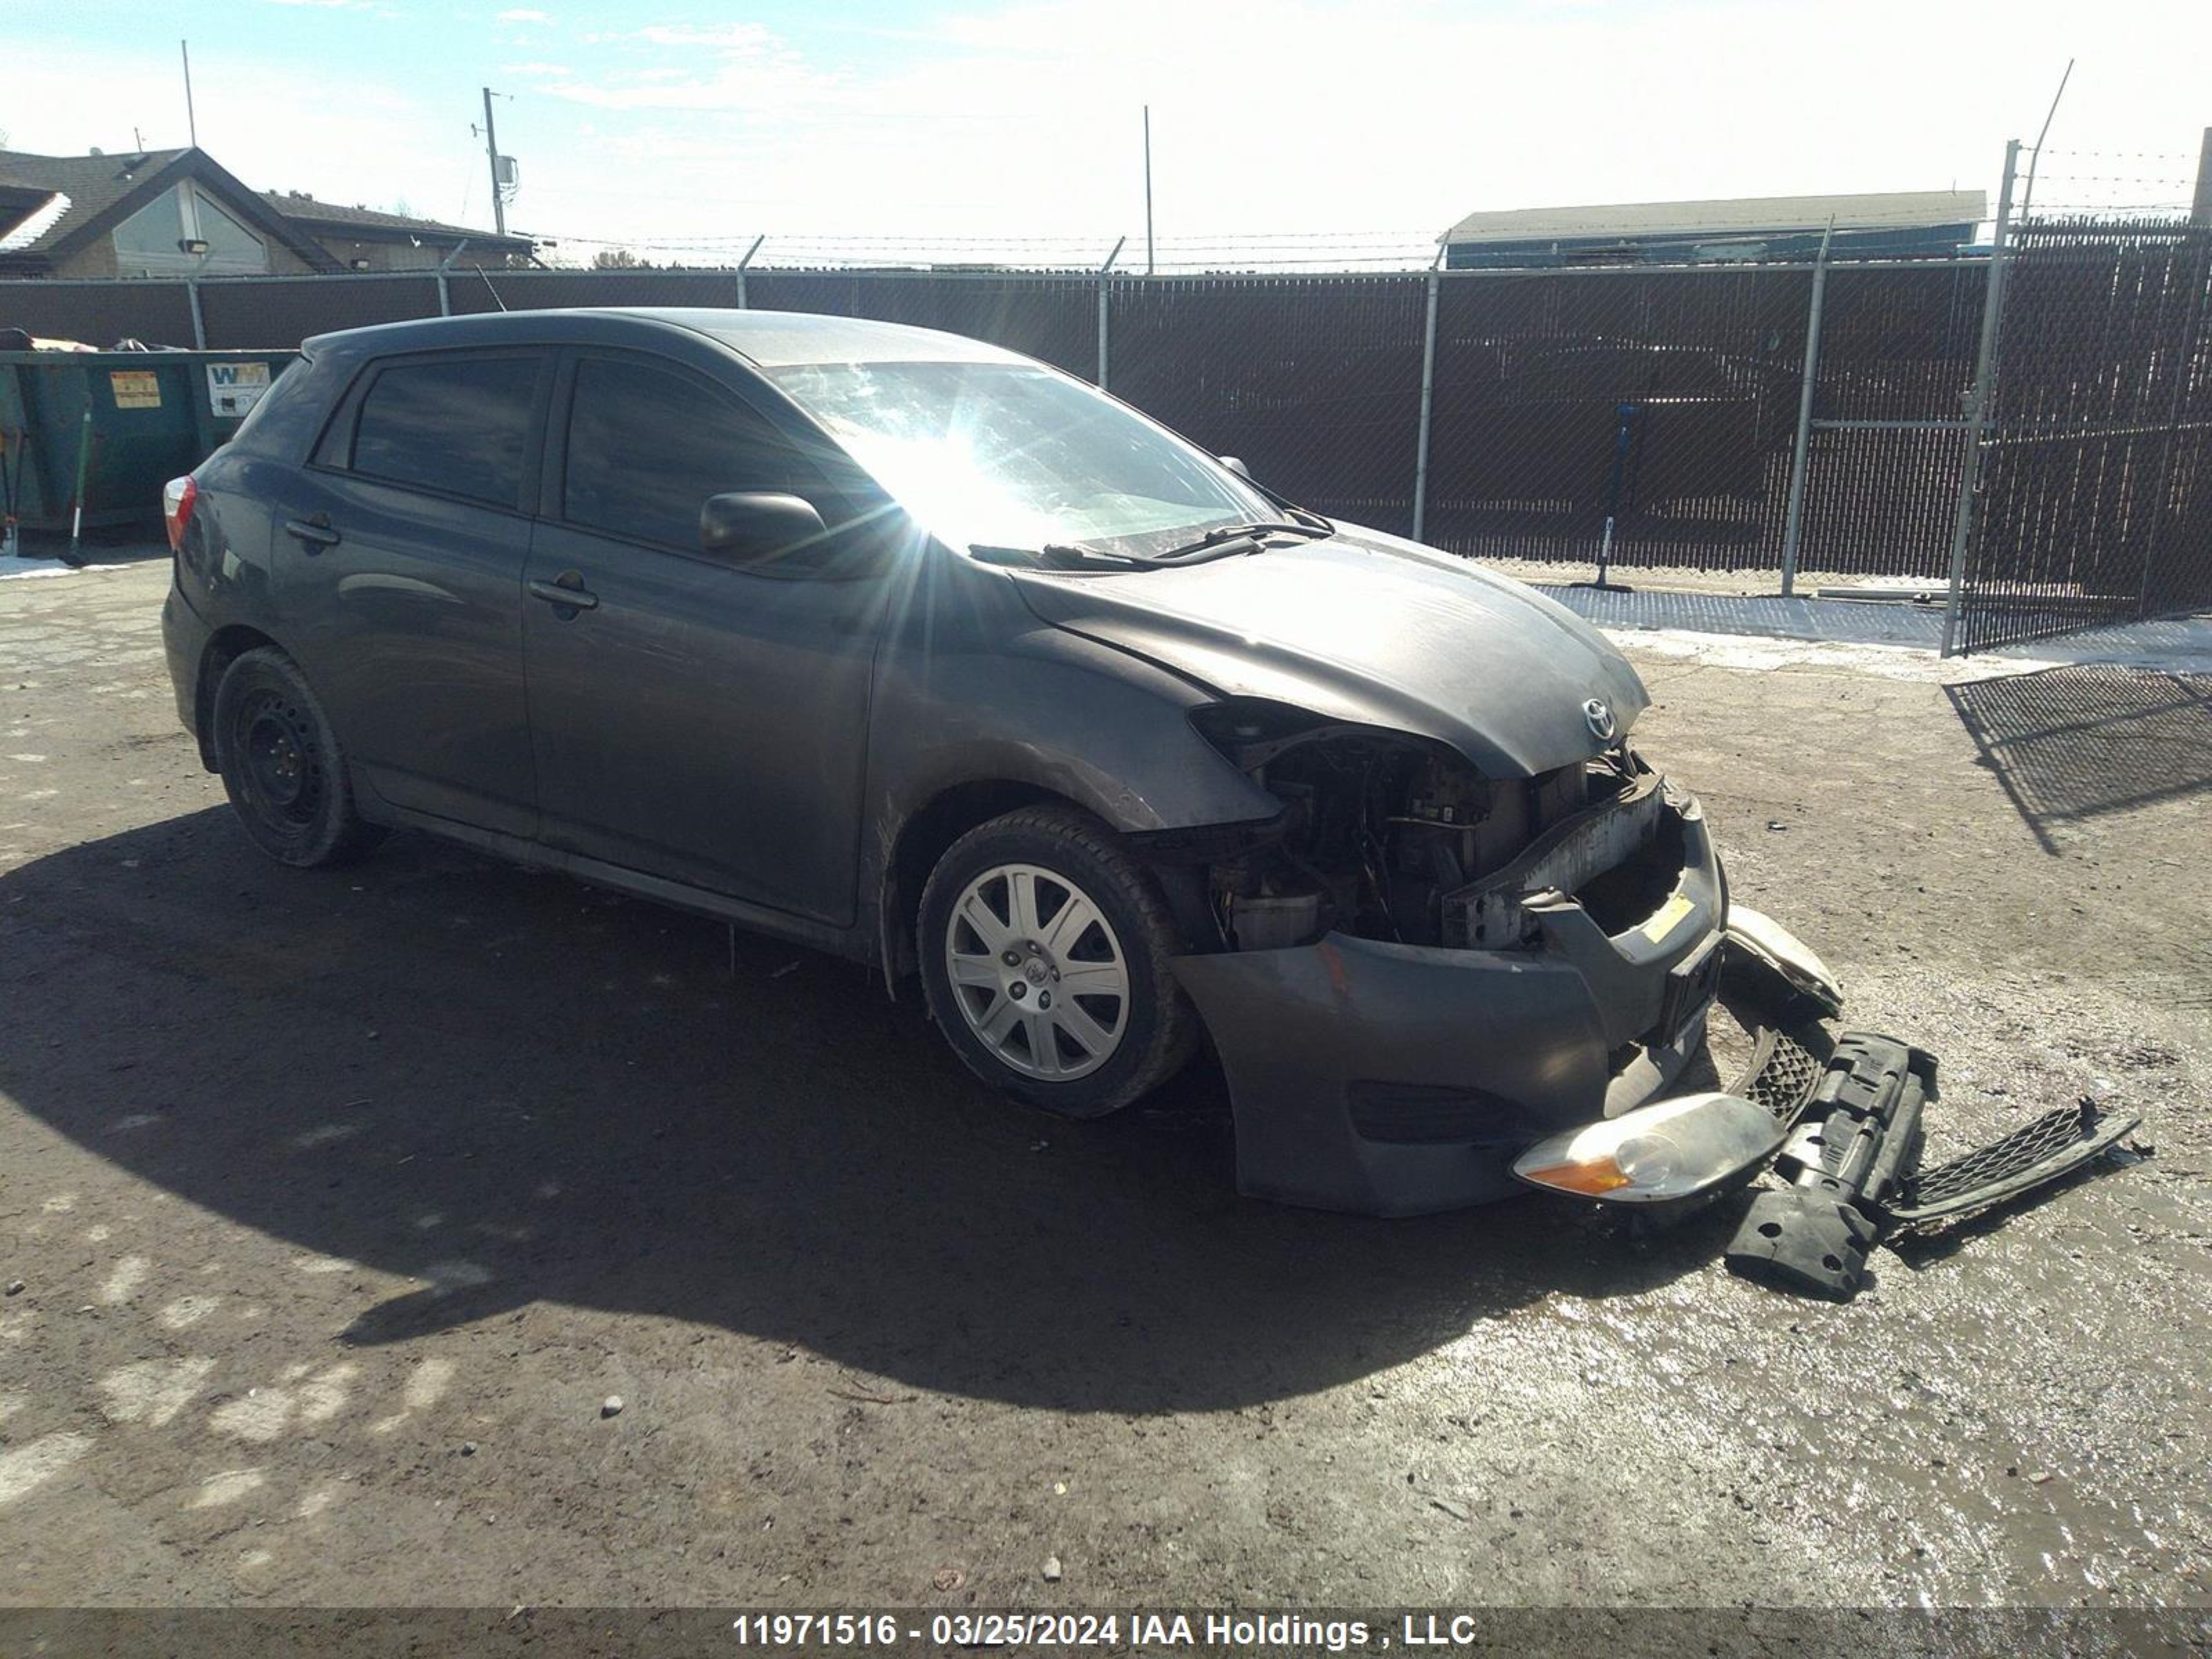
x,y
341,1204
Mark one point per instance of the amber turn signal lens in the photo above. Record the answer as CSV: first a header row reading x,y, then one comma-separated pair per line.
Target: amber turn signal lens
x,y
1590,1179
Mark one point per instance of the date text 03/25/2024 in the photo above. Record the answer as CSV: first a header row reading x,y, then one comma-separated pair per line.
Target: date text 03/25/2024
x,y
1258,1632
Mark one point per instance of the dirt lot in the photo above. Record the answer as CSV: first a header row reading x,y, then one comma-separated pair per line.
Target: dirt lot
x,y
340,1203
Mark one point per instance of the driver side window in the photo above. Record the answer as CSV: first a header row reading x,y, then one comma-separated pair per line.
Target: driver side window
x,y
647,446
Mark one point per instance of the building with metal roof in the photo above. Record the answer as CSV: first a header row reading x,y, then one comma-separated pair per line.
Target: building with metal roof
x,y
1895,224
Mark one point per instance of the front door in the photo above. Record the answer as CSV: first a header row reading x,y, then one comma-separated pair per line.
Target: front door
x,y
693,719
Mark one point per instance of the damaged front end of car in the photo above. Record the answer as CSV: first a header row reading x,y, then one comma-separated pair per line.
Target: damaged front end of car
x,y
1432,987
1422,970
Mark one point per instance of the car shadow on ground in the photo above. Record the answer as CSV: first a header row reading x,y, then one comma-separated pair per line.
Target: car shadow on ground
x,y
513,1089
2080,740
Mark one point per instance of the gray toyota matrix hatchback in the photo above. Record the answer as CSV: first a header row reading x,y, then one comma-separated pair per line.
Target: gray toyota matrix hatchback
x,y
916,650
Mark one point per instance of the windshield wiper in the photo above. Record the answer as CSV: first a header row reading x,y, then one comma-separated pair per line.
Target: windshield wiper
x,y
1057,556
1227,535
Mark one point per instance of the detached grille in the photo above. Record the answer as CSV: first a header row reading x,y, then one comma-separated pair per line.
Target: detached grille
x,y
1781,1075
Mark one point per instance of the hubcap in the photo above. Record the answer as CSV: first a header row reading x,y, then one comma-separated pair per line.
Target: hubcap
x,y
1037,972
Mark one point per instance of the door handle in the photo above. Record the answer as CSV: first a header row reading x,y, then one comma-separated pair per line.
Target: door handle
x,y
314,534
566,590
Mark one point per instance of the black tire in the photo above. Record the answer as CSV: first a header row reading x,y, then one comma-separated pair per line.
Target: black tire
x,y
1159,1028
282,766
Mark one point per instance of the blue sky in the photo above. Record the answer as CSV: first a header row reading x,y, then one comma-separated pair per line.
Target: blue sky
x,y
658,123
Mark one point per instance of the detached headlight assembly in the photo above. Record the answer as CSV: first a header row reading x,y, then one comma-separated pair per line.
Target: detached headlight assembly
x,y
1661,1153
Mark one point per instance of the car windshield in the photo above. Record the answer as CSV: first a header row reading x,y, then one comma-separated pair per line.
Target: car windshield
x,y
1014,455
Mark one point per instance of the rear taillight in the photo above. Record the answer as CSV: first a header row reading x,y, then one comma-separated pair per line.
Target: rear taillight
x,y
177,497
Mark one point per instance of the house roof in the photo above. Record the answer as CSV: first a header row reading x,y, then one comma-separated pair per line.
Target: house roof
x,y
51,205
65,201
1888,211
306,211
93,185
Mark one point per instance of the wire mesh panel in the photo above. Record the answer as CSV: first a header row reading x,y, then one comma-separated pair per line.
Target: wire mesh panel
x,y
2094,501
1314,383
1053,318
1663,401
1896,365
99,314
541,290
279,312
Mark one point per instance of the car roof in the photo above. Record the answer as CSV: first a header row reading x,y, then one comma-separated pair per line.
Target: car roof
x,y
766,340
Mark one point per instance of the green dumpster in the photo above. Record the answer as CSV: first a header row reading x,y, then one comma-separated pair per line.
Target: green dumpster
x,y
154,414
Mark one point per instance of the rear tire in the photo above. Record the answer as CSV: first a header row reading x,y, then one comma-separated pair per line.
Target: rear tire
x,y
1044,949
282,766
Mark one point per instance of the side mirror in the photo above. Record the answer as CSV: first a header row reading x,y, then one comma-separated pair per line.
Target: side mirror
x,y
749,526
1236,465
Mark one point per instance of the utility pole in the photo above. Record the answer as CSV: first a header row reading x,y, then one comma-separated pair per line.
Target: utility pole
x,y
191,121
1148,190
2200,215
491,151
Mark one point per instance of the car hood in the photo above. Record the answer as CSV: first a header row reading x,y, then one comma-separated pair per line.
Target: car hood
x,y
1370,629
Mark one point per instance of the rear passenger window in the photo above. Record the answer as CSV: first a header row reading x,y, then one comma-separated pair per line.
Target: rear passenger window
x,y
647,447
460,425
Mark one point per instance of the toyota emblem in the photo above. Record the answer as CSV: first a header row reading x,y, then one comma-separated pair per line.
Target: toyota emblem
x,y
1598,718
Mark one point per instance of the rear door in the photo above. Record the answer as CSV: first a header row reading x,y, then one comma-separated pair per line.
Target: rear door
x,y
400,552
692,719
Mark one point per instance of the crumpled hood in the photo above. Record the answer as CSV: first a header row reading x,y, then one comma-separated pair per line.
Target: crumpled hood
x,y
1368,627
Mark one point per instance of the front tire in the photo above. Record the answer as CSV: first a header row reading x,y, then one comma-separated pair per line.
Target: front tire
x,y
1044,950
282,766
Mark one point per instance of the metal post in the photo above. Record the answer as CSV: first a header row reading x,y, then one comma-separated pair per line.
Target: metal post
x,y
743,263
1103,277
1977,412
199,320
2200,214
445,290
1794,526
1148,190
1428,397
191,120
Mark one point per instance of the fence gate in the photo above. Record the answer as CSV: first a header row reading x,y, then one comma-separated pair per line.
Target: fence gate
x,y
1894,364
2093,498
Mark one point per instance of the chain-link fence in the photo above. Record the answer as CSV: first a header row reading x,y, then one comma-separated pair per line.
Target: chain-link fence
x,y
1315,383
2094,503
1646,415
1895,364
1652,417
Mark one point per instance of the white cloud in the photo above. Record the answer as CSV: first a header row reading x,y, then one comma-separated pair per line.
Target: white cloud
x,y
737,67
726,36
1020,118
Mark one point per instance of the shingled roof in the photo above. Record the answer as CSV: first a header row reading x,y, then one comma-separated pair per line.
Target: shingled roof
x,y
306,211
51,205
75,198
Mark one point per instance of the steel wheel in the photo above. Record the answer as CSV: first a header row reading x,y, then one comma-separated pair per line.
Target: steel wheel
x,y
281,764
1037,972
275,742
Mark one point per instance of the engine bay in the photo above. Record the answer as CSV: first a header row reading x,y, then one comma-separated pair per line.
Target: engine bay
x,y
1392,837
